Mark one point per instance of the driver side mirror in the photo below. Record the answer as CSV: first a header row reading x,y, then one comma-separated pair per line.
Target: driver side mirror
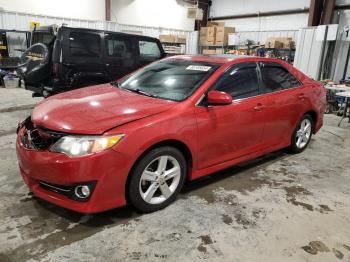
x,y
218,98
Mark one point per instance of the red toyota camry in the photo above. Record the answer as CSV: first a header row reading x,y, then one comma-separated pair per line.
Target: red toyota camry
x,y
139,139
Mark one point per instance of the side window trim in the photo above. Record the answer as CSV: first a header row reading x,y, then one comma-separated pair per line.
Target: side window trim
x,y
260,63
201,101
215,85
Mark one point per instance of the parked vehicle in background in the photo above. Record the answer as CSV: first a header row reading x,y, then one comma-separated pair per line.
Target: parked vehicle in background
x,y
139,139
70,58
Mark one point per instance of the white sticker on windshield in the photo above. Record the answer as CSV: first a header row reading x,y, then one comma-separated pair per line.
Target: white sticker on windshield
x,y
198,68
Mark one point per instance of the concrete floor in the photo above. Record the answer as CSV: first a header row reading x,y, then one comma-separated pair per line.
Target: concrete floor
x,y
280,207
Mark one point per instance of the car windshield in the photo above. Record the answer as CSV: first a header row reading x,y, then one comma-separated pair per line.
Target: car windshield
x,y
171,79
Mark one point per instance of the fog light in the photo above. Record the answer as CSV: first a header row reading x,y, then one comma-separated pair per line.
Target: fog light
x,y
82,191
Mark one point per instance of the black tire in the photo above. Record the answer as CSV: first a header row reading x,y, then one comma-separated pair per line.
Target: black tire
x,y
294,148
134,185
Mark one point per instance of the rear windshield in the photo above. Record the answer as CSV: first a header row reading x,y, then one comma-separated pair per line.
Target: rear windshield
x,y
171,79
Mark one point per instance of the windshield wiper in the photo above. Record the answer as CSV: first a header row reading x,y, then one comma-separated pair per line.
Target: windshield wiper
x,y
139,91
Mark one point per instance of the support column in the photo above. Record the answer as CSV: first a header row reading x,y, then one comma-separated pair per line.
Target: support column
x,y
315,12
327,14
108,10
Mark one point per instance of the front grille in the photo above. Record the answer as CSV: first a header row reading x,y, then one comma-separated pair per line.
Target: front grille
x,y
38,138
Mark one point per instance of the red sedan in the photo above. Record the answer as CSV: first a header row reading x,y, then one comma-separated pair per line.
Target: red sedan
x,y
139,139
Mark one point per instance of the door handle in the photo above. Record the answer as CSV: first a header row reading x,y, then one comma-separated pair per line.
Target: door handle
x,y
259,107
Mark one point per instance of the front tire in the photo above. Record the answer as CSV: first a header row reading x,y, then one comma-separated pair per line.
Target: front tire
x,y
302,134
157,179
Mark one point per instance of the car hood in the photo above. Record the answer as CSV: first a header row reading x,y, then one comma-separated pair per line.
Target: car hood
x,y
94,110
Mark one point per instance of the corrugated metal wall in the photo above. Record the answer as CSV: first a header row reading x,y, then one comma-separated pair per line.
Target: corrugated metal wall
x,y
261,36
21,21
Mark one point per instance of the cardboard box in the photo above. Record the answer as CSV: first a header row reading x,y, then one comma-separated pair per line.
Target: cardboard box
x,y
273,42
207,35
279,42
209,52
180,39
287,42
222,32
219,51
195,13
167,38
208,31
213,24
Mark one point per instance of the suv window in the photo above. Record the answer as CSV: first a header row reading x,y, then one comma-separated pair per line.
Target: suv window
x,y
118,47
275,77
149,49
42,37
241,81
84,44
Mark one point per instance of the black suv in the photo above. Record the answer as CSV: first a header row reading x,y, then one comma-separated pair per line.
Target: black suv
x,y
69,58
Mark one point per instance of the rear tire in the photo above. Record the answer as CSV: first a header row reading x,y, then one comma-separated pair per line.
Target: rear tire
x,y
157,179
302,134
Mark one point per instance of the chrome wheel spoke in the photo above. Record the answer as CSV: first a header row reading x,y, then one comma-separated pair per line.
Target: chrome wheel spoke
x,y
307,127
175,171
149,176
299,141
150,191
163,160
164,188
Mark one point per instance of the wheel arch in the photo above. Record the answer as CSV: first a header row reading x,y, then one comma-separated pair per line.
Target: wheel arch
x,y
314,117
181,146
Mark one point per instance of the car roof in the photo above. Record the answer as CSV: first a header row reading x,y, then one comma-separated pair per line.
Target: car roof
x,y
105,31
224,59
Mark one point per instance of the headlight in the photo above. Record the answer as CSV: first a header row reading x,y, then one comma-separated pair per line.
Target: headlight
x,y
75,146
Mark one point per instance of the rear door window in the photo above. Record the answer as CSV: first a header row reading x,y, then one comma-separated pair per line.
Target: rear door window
x,y
82,44
274,78
241,81
149,50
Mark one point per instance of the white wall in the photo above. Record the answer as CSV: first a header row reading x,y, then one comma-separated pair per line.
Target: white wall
x,y
239,7
80,9
157,13
283,22
269,23
342,2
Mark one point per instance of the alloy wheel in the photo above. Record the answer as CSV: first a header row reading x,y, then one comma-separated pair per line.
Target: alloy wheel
x,y
303,134
160,179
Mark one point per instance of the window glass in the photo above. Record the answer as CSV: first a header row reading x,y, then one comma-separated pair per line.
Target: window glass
x,y
149,49
241,81
275,77
42,37
172,79
84,44
118,47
